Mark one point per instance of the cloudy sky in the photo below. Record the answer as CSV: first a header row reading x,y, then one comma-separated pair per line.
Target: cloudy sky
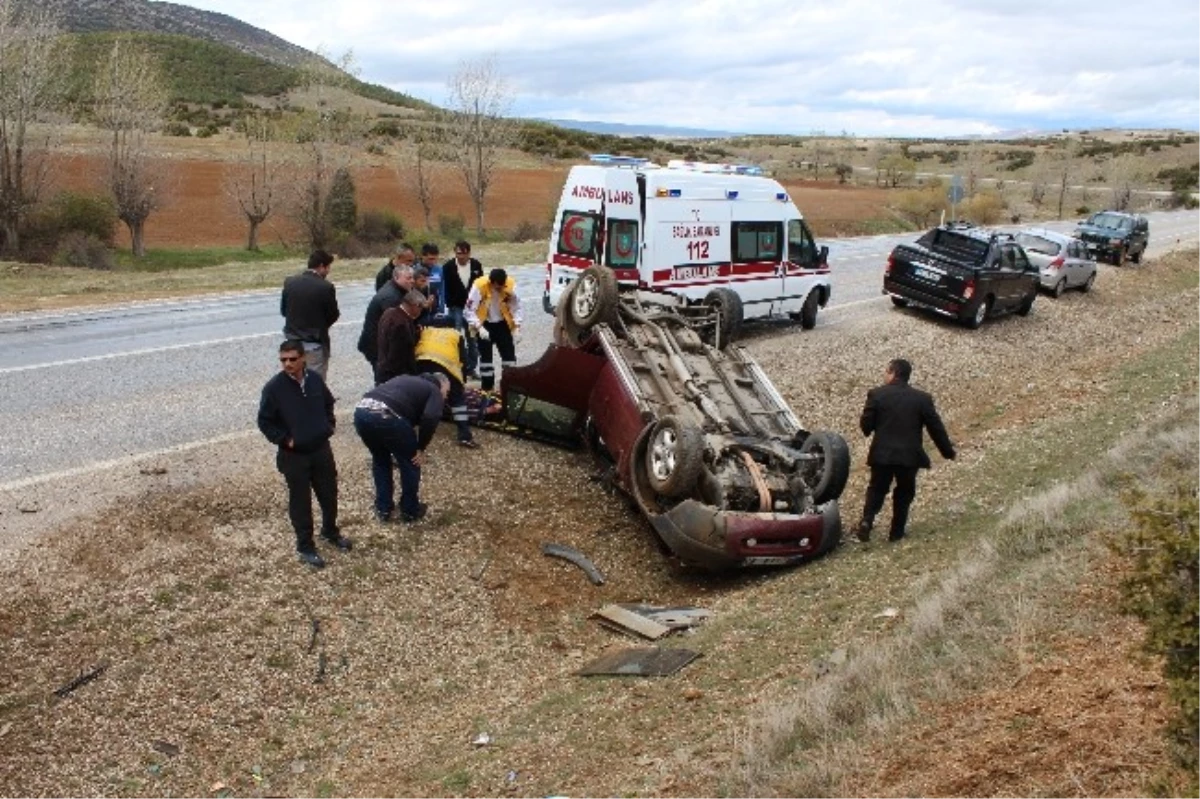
x,y
890,67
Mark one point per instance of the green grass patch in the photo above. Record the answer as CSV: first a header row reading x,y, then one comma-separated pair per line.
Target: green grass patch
x,y
200,258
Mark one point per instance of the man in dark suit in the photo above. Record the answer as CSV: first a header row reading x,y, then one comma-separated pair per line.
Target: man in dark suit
x,y
309,308
457,287
896,414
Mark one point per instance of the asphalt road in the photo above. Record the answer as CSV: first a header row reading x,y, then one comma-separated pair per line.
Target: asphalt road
x,y
82,389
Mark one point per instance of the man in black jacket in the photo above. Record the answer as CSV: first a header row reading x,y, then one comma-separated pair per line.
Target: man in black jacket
x,y
387,297
309,308
896,413
397,420
458,274
296,414
405,255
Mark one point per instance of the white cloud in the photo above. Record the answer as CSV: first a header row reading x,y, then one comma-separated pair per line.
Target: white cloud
x,y
936,68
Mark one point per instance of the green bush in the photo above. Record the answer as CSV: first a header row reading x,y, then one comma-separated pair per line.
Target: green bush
x,y
1160,588
87,213
82,250
341,208
451,227
177,129
379,227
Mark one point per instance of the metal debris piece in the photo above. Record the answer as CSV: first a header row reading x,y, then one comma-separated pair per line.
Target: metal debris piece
x,y
573,555
28,506
166,747
639,662
887,613
153,468
320,678
621,619
482,739
81,680
676,618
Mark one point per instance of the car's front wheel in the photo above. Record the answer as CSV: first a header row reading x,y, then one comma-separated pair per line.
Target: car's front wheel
x,y
594,299
899,302
674,457
828,466
1027,303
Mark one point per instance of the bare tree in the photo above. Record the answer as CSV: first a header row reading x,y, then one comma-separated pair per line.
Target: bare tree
x,y
254,181
130,100
479,130
424,167
33,62
324,140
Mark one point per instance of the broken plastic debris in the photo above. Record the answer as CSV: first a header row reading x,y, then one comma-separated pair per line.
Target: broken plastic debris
x,y
482,739
887,613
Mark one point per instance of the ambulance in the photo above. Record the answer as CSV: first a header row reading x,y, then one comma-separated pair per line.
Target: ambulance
x,y
689,234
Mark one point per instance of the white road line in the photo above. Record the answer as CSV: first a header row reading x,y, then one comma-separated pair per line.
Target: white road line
x,y
147,351
124,461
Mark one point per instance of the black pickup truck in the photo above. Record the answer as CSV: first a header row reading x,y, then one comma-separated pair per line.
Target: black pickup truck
x,y
962,271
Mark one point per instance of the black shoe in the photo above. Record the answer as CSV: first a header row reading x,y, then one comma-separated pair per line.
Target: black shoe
x,y
311,558
422,509
863,531
340,541
894,536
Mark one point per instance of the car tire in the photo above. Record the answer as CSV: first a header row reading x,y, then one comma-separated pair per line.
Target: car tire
x,y
674,457
1137,259
594,299
728,305
808,311
564,332
831,532
979,312
828,475
1059,287
1118,258
1089,283
899,302
1027,303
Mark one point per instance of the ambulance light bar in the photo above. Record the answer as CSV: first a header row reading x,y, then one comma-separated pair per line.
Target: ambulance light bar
x,y
617,160
726,169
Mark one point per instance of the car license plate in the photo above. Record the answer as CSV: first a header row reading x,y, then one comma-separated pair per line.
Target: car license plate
x,y
765,560
927,274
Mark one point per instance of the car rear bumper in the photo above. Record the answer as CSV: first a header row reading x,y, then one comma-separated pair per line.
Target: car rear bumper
x,y
717,540
938,302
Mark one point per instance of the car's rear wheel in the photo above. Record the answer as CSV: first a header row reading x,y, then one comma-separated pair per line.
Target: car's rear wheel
x,y
1091,282
899,302
674,457
1137,259
1060,287
1027,303
829,468
728,307
594,299
978,313
808,311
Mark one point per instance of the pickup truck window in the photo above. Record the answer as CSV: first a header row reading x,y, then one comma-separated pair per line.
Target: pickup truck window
x,y
956,246
1039,244
757,241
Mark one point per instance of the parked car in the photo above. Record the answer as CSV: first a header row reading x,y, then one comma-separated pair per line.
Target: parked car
x,y
964,272
697,436
1063,261
1115,235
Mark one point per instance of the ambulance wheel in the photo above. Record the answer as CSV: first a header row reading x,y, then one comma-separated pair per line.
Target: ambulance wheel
x,y
594,299
808,311
728,307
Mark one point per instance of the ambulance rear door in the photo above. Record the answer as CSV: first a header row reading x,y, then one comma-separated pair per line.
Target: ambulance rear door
x,y
687,250
620,240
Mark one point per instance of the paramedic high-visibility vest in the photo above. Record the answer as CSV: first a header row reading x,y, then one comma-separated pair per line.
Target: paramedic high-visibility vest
x,y
485,300
440,345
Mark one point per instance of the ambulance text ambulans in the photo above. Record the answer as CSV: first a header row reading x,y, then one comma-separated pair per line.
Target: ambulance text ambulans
x,y
688,233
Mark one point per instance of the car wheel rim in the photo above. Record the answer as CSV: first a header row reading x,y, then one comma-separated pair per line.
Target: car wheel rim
x,y
981,312
662,454
585,297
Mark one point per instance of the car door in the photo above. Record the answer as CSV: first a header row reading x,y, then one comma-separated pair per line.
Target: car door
x,y
1008,275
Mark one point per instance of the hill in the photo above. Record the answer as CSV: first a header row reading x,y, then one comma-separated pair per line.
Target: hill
x,y
208,57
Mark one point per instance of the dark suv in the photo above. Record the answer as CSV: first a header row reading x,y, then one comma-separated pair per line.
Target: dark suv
x,y
1114,236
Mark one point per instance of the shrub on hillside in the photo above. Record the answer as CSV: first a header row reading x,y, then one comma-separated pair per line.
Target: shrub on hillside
x,y
83,250
452,227
341,207
1163,551
528,231
379,227
177,129
64,213
985,208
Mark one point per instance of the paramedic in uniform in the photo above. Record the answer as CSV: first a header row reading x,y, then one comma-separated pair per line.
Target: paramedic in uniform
x,y
493,312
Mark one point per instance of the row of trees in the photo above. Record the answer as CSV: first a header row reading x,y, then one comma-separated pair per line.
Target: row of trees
x,y
292,163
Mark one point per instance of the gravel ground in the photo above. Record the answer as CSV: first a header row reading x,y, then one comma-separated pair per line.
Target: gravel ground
x,y
229,668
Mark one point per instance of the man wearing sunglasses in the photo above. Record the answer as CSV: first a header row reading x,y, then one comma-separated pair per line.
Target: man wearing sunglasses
x,y
296,414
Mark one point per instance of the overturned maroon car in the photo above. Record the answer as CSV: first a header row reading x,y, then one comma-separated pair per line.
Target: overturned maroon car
x,y
694,431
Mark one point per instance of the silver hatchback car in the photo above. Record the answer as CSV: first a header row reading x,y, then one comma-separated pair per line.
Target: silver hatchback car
x,y
1062,260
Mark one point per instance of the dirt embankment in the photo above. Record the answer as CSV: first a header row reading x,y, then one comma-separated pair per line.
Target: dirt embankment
x,y
229,668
